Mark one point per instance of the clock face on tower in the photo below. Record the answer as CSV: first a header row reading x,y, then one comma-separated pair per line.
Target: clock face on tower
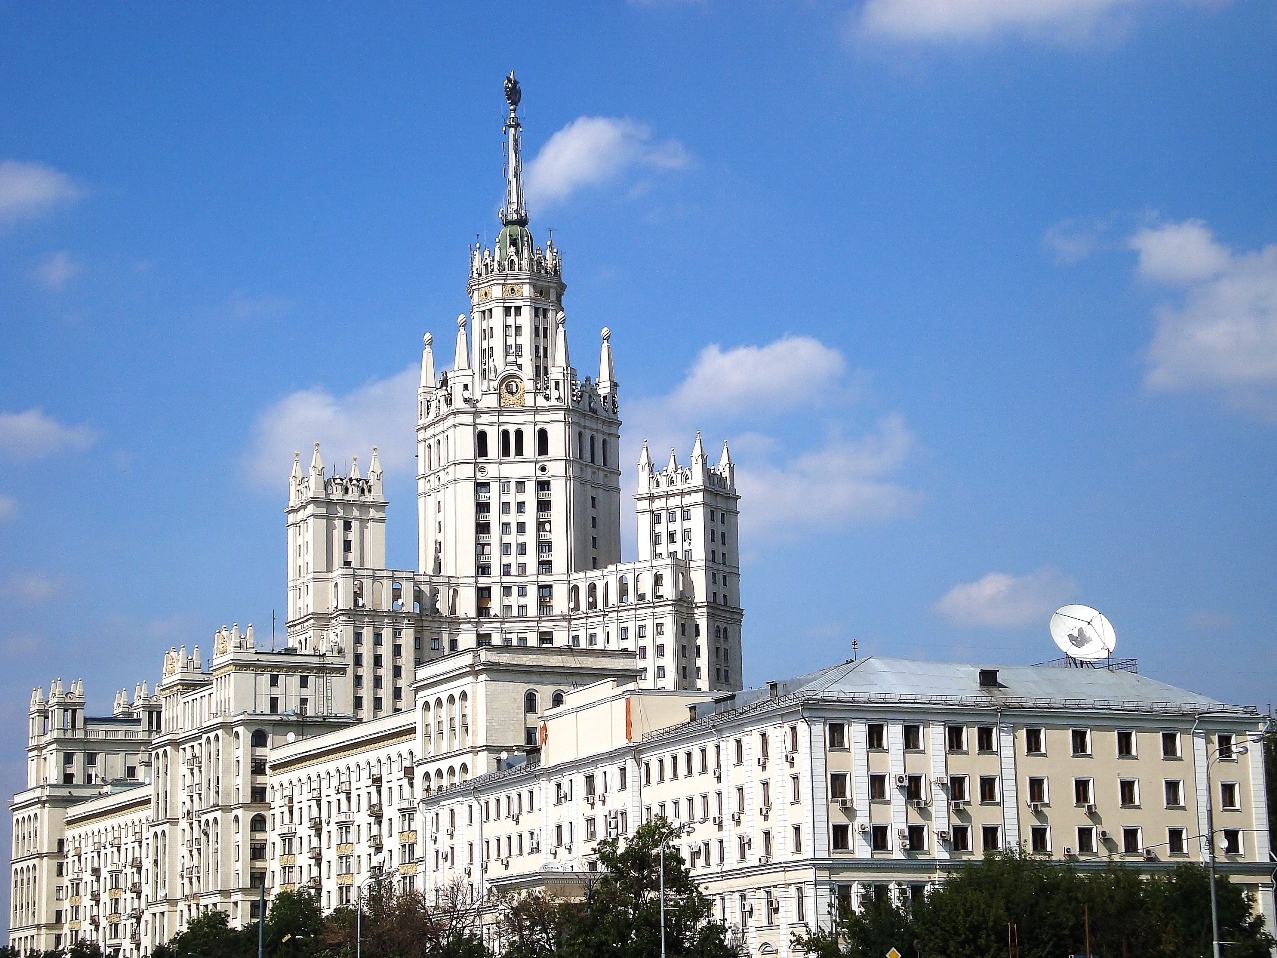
x,y
512,392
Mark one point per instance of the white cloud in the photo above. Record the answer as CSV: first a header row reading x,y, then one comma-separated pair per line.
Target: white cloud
x,y
34,587
28,190
33,435
1000,600
950,21
57,270
782,406
8,507
1220,333
1070,242
591,151
381,413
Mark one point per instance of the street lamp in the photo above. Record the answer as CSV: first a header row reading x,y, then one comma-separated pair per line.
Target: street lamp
x,y
375,873
1230,752
681,830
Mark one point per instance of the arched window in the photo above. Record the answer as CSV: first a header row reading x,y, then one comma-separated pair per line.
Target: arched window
x,y
591,447
481,444
518,442
530,702
576,598
260,738
592,596
658,585
257,823
543,443
605,452
557,699
505,443
623,589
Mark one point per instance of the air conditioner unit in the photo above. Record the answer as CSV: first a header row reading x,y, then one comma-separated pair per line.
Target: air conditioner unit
x,y
942,834
958,805
765,810
1090,809
919,803
469,869
862,827
1068,851
844,803
902,832
589,800
902,781
1104,835
1150,853
451,832
718,820
505,863
736,817
1035,807
718,774
762,761
791,758
434,838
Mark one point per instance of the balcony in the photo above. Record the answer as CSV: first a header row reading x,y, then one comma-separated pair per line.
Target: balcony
x,y
483,496
316,853
376,810
316,822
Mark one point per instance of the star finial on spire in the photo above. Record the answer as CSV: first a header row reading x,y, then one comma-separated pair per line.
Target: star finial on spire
x,y
513,213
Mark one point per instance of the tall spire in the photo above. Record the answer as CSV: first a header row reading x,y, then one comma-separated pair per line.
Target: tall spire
x,y
513,213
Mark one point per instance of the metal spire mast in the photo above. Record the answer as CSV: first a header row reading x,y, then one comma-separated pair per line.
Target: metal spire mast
x,y
513,213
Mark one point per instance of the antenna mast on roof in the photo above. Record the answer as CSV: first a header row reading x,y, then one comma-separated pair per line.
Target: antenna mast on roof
x,y
855,649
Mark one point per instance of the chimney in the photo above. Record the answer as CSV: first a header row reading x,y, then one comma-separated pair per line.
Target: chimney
x,y
988,678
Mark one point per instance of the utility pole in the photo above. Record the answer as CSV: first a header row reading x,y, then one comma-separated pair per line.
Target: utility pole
x,y
261,918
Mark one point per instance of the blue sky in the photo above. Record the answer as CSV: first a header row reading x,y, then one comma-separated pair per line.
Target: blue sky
x,y
983,292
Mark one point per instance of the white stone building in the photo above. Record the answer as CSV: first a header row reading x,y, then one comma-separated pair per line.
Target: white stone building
x,y
490,715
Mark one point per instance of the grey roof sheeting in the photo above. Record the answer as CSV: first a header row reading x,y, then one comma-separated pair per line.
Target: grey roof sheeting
x,y
905,682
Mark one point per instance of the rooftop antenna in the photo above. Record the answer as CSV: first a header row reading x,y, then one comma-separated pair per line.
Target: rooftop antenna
x,y
1083,634
855,649
272,630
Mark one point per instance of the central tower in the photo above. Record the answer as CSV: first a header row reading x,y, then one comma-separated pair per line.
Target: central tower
x,y
518,473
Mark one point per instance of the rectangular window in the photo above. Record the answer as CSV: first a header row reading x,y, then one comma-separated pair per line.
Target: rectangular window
x,y
984,738
960,838
1176,841
837,735
913,788
990,838
1229,796
1034,741
1082,792
1125,743
879,838
877,736
1080,739
917,838
838,785
958,788
1037,791
1040,839
913,738
1173,788
1128,790
1224,745
1232,841
1131,844
1086,840
956,738
988,788
878,787
1170,745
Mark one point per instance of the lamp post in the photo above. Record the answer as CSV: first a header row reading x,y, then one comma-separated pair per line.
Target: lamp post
x,y
1210,839
359,907
682,830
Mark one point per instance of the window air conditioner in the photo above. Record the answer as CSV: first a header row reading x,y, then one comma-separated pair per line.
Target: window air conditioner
x,y
1068,851
919,803
1104,835
718,820
791,758
718,774
589,800
958,805
736,817
1090,809
902,780
762,761
942,834
902,832
862,827
1150,853
844,803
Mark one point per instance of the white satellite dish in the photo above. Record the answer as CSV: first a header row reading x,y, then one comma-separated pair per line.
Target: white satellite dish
x,y
1083,633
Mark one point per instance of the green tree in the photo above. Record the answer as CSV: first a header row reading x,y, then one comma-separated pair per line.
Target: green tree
x,y
210,936
620,917
871,932
529,925
294,925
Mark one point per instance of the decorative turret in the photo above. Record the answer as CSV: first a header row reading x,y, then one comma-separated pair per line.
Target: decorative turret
x,y
607,372
645,461
427,362
461,359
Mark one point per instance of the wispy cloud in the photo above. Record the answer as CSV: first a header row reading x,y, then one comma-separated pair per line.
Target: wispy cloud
x,y
594,150
966,21
381,413
34,587
31,435
1219,332
29,190
783,408
1004,601
57,269
1072,241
